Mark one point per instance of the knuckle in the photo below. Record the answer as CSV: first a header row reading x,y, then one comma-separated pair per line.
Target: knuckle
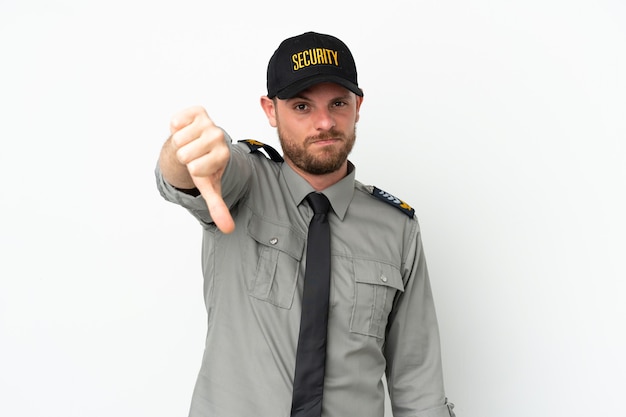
x,y
203,123
175,139
195,168
181,156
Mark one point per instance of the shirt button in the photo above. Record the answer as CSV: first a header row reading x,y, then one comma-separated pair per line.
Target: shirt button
x,y
273,241
383,278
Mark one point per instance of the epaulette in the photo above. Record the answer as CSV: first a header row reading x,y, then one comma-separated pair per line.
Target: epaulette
x,y
255,145
394,201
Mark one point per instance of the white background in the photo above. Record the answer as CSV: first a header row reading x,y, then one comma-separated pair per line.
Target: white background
x,y
501,122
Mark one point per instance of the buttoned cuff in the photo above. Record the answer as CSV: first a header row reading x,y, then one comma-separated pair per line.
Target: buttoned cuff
x,y
442,411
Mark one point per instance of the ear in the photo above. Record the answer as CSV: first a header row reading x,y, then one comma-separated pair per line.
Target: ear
x,y
359,100
270,110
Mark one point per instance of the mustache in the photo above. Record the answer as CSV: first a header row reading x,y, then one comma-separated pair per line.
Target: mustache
x,y
331,134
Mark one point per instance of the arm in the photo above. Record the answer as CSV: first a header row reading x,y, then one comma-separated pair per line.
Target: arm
x,y
414,369
195,156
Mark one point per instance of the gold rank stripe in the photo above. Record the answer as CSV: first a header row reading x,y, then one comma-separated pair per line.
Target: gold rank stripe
x,y
255,145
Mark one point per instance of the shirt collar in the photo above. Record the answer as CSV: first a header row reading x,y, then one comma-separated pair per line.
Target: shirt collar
x,y
339,194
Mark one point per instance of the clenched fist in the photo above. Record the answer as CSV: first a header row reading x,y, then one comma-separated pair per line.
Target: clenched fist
x,y
196,154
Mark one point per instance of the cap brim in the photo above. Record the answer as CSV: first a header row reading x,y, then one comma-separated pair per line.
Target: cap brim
x,y
293,90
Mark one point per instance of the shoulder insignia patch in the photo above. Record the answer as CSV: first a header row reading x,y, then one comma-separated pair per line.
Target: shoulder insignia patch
x,y
394,201
255,145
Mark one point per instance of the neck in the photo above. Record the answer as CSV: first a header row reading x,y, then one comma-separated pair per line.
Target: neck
x,y
321,182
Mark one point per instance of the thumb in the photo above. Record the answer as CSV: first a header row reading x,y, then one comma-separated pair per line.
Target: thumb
x,y
211,191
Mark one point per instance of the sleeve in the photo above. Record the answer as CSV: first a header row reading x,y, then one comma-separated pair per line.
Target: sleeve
x,y
412,348
235,182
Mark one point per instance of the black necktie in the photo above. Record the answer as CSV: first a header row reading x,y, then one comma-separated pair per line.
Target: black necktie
x,y
308,384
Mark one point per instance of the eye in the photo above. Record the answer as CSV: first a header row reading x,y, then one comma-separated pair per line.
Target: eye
x,y
339,103
301,107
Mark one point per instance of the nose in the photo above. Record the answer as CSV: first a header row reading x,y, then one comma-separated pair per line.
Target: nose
x,y
324,119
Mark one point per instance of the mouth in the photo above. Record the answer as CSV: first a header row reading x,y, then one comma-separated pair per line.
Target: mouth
x,y
323,141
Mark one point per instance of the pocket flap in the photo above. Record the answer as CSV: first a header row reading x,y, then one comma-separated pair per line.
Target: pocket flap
x,y
277,236
376,273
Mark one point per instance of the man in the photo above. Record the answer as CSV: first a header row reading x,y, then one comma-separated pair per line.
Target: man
x,y
372,313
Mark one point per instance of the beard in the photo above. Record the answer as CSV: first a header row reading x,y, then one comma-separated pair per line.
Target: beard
x,y
328,160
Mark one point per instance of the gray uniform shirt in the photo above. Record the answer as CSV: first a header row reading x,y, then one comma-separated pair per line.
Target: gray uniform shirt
x,y
381,314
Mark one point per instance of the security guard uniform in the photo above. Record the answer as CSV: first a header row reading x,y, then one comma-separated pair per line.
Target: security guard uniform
x,y
381,314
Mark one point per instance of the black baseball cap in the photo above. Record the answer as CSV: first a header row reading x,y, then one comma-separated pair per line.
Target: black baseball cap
x,y
308,59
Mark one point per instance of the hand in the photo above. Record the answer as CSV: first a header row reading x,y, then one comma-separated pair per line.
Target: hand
x,y
201,147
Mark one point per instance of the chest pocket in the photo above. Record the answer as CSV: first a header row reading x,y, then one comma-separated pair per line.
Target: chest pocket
x,y
279,252
376,285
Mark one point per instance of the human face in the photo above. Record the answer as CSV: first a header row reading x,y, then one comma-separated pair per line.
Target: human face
x,y
317,128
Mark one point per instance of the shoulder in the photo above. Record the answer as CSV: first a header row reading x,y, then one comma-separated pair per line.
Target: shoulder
x,y
379,196
254,147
